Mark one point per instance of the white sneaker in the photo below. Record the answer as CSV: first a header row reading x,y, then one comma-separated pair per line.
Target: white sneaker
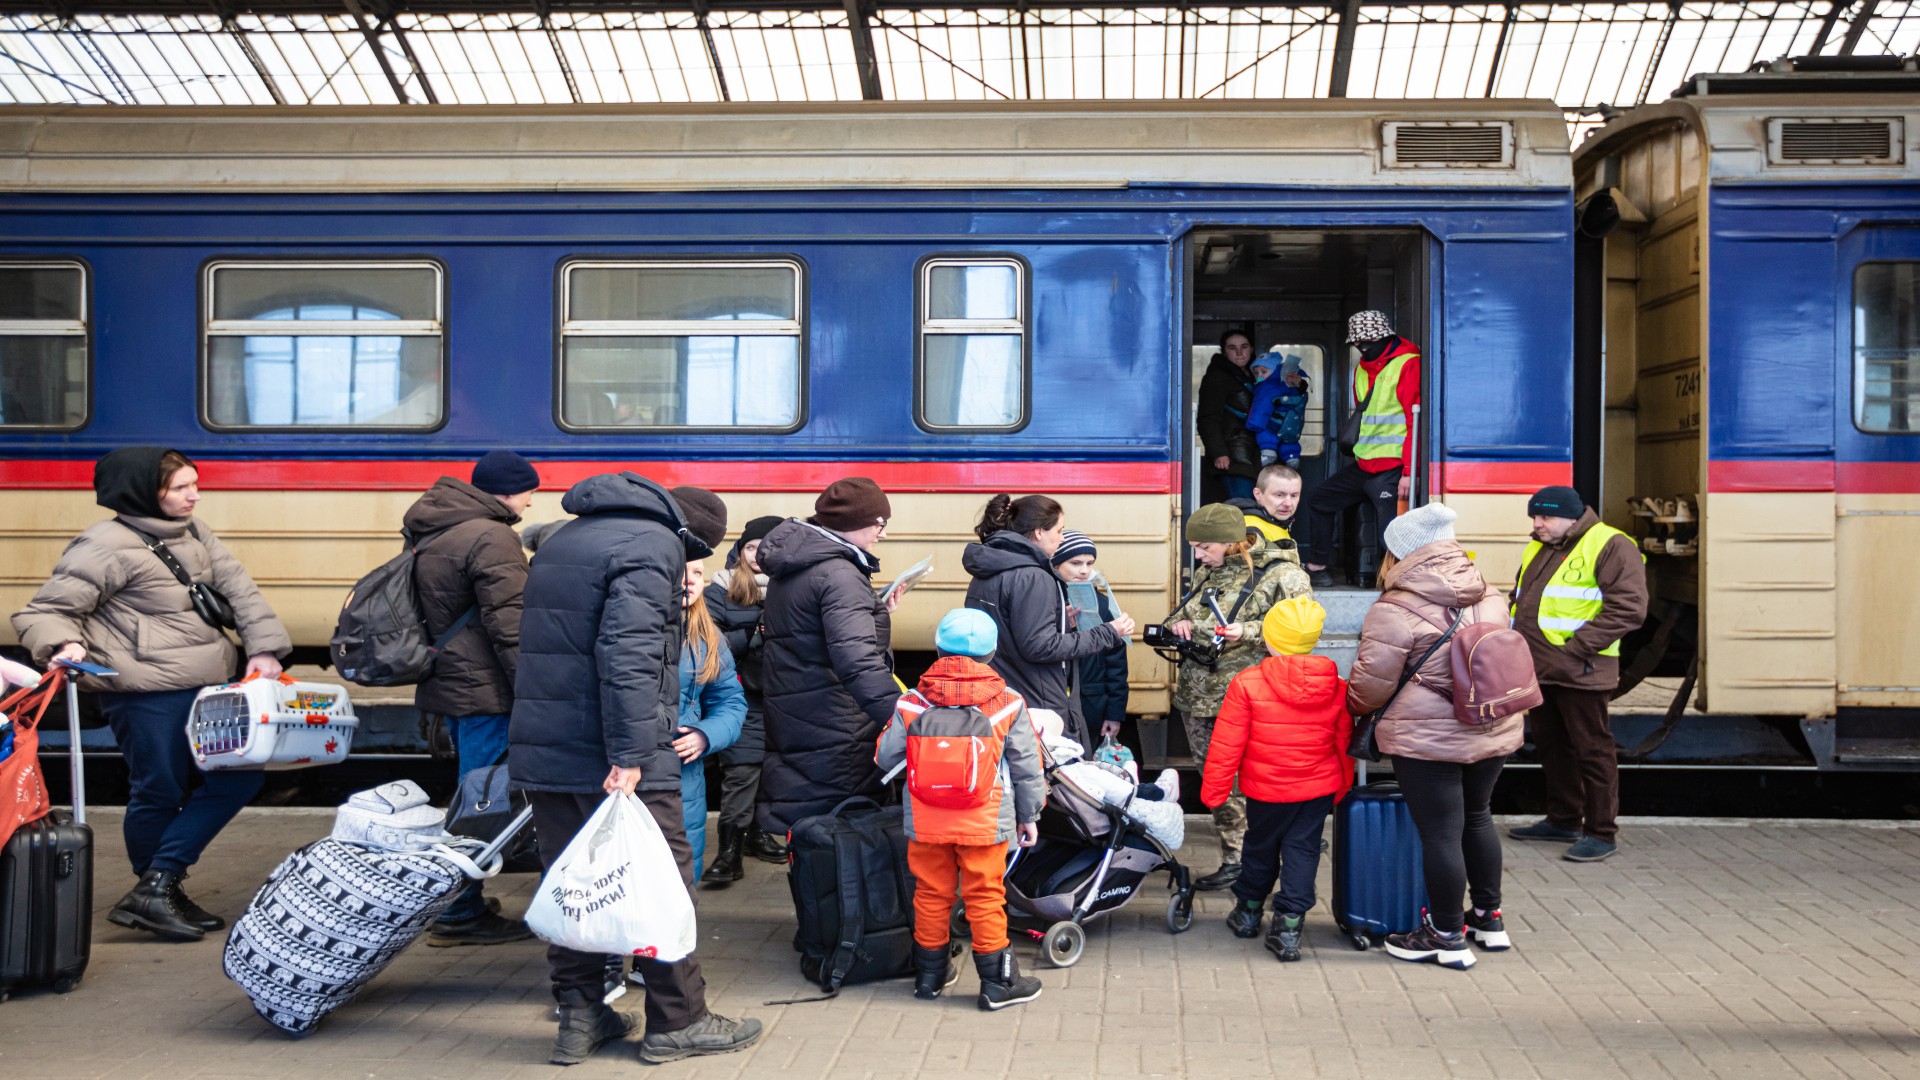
x,y
1169,782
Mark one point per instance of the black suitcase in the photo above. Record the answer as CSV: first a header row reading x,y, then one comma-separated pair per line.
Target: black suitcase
x,y
46,890
852,894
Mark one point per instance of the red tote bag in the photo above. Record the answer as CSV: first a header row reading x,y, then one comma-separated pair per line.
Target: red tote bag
x,y
23,790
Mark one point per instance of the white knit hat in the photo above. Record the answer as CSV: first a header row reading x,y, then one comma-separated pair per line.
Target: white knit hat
x,y
1419,527
1368,326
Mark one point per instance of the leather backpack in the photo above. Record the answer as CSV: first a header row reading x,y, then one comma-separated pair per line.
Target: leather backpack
x,y
1493,676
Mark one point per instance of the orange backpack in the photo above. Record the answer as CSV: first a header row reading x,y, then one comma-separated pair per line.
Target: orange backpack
x,y
953,756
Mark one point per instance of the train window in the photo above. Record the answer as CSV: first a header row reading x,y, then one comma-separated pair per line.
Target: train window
x,y
683,344
325,345
43,345
972,344
1886,347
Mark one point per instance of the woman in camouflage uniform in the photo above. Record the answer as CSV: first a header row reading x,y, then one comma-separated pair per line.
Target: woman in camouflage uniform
x,y
1246,576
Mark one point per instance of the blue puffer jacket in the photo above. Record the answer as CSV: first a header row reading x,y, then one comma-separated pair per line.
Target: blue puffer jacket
x,y
1279,412
716,710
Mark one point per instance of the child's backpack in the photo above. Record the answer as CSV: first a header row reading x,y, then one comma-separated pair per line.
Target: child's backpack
x,y
953,756
1493,675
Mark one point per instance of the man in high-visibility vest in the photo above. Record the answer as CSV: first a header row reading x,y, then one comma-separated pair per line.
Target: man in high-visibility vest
x,y
1582,587
1385,388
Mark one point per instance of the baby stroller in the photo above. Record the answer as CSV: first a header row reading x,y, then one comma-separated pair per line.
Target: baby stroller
x,y
1091,859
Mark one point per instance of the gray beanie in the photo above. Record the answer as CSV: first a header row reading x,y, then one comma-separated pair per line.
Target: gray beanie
x,y
1419,527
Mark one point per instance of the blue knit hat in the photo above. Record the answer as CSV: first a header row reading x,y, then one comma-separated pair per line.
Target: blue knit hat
x,y
1071,544
966,632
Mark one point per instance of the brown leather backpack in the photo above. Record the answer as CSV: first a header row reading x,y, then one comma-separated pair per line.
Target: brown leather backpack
x,y
1493,675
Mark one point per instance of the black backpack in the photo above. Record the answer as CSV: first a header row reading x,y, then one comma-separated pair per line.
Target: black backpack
x,y
852,894
381,637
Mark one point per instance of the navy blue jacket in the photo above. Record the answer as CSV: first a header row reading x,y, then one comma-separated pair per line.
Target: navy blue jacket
x,y
1103,680
600,636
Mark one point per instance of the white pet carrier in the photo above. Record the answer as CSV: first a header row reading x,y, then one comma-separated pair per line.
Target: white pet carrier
x,y
271,724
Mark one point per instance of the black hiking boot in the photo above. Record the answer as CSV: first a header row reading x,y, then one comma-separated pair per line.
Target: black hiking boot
x,y
726,863
1001,983
711,1034
1244,919
766,847
582,1031
151,907
933,971
485,928
1222,878
1283,937
192,912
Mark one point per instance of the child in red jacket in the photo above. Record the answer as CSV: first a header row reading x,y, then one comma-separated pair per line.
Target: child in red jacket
x,y
1283,731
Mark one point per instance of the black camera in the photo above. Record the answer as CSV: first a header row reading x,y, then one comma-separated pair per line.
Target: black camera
x,y
1177,649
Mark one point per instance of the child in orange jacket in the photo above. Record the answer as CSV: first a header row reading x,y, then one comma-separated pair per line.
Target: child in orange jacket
x,y
1283,731
959,817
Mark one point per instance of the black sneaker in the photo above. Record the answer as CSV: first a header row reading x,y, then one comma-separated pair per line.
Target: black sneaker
x,y
485,928
1222,878
1244,919
1283,936
1487,931
1428,945
1321,579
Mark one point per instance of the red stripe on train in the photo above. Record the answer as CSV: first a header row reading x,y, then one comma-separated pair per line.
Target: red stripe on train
x,y
1498,477
1845,477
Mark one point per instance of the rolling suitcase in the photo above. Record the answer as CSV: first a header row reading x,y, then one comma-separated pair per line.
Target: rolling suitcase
x,y
1379,879
46,885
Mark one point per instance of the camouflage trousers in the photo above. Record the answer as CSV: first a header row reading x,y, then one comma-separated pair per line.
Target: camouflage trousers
x,y
1229,817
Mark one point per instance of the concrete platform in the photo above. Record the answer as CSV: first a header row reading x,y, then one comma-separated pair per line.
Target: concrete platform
x,y
1739,949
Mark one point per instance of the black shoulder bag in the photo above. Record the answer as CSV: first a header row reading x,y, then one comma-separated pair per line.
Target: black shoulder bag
x,y
209,603
1349,435
1364,745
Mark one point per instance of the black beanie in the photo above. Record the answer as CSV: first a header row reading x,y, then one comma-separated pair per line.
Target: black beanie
x,y
127,481
705,514
1556,501
503,472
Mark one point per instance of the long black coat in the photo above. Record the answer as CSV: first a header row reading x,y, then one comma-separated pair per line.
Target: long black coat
x,y
1014,582
468,556
827,672
740,625
1103,681
1220,414
600,641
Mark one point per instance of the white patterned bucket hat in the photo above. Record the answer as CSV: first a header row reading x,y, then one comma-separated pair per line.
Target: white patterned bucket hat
x,y
1368,326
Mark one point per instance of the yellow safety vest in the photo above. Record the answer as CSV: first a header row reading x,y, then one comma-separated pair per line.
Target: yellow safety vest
x,y
1572,598
1383,423
1267,529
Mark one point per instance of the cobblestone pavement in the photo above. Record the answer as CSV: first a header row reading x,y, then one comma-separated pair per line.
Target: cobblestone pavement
x,y
1725,949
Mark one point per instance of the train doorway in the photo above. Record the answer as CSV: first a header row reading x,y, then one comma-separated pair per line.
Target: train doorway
x,y
1292,291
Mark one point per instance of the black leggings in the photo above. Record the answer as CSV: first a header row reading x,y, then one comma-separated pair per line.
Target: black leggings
x,y
1461,848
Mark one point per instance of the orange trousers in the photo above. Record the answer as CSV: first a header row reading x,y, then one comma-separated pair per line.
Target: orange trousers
x,y
975,872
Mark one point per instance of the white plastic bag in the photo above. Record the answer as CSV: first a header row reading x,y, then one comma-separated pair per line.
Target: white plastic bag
x,y
616,889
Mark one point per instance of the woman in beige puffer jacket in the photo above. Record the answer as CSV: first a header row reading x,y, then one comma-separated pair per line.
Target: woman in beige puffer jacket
x,y
113,602
1445,769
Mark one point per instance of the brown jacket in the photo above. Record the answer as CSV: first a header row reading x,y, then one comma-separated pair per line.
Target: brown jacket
x,y
467,557
1623,581
117,598
1438,579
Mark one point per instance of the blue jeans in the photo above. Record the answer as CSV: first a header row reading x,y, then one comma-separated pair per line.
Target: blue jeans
x,y
169,820
478,742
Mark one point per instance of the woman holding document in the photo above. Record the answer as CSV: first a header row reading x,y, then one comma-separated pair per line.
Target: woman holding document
x,y
1014,581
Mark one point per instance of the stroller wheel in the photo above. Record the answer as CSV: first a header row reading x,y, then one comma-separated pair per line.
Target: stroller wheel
x,y
1179,913
957,926
1063,943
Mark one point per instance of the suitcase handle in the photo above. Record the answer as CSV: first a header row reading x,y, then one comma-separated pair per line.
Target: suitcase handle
x,y
850,801
283,678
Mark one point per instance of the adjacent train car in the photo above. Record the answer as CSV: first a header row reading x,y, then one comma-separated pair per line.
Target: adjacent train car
x,y
331,307
1755,409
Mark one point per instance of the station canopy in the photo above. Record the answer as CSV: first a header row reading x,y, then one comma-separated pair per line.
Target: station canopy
x,y
1590,57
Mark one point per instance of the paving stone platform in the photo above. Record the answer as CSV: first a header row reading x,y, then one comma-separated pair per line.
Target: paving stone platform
x,y
1739,949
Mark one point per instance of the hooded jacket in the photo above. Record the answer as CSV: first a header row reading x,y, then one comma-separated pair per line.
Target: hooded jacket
x,y
1283,731
112,594
827,670
740,626
466,555
716,710
1018,790
1438,580
1015,583
1202,689
600,636
1220,413
1622,578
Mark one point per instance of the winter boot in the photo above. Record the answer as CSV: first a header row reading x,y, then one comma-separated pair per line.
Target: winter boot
x,y
726,865
766,847
1283,937
933,971
1001,983
192,912
1222,878
1244,919
151,907
711,1034
584,1030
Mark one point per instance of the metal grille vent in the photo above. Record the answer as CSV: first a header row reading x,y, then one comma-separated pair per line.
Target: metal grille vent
x,y
1449,145
1837,141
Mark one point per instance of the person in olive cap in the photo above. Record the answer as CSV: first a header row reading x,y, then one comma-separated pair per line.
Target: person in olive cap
x,y
1243,576
1582,586
827,671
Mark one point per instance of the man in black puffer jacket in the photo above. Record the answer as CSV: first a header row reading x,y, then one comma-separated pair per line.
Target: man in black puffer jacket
x,y
598,696
828,665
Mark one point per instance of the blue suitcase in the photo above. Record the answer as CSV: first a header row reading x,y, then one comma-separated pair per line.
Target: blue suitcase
x,y
1379,881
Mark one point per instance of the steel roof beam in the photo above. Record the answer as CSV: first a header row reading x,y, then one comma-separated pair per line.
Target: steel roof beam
x,y
864,57
368,31
1826,26
406,50
560,56
232,26
1858,29
1343,48
596,7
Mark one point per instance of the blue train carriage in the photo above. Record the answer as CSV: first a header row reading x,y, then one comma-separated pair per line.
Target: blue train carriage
x,y
331,307
1759,392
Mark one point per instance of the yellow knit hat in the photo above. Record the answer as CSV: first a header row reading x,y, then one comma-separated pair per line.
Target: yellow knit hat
x,y
1292,626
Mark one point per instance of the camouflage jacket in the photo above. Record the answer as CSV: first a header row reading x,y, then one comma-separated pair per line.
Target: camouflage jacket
x,y
1200,689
